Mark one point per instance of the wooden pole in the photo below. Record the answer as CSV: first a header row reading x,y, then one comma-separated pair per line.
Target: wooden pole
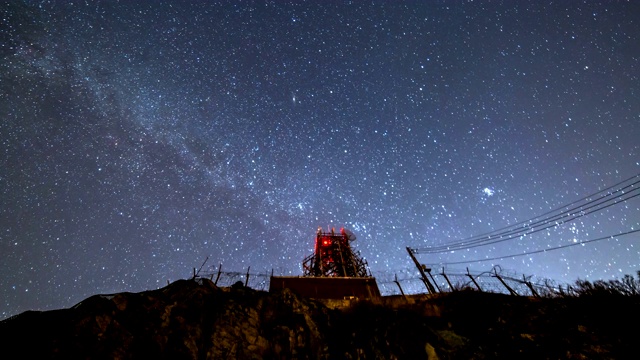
x,y
425,279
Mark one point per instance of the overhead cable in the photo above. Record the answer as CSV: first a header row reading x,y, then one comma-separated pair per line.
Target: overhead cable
x,y
579,208
546,249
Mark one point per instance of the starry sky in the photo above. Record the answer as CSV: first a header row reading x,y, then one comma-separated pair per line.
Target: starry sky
x,y
138,138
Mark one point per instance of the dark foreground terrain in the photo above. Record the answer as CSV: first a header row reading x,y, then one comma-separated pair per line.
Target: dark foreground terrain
x,y
194,319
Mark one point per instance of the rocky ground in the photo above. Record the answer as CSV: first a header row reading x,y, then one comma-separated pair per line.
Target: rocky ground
x,y
194,319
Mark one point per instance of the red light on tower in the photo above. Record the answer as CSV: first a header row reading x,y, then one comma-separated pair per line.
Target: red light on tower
x,y
333,256
333,271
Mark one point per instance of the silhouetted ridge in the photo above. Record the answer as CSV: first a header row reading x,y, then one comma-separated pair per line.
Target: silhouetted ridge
x,y
194,319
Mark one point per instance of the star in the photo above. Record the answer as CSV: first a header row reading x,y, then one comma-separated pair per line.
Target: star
x,y
140,138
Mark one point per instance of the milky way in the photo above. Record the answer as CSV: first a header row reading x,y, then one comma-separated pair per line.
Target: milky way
x,y
138,139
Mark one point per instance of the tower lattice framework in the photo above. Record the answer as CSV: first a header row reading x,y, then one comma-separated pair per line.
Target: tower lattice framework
x,y
333,256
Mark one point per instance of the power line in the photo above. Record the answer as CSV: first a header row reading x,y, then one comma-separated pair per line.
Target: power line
x,y
607,198
556,220
519,234
547,249
566,213
557,209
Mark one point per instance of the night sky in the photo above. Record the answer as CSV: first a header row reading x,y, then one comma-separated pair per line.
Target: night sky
x,y
138,138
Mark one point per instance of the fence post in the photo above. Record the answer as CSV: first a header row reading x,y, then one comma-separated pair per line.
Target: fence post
x,y
474,280
246,281
435,283
447,278
218,277
505,284
530,286
399,287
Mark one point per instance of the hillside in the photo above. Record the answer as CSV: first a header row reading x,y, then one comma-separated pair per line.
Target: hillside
x,y
194,319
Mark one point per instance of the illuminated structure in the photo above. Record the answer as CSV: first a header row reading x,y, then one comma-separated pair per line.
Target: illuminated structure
x,y
333,271
333,256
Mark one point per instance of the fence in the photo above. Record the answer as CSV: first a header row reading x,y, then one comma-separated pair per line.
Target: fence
x,y
490,281
409,282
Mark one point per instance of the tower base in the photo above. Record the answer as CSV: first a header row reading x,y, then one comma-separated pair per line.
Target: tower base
x,y
327,287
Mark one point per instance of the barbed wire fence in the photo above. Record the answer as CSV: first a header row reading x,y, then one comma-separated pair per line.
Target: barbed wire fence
x,y
407,281
224,278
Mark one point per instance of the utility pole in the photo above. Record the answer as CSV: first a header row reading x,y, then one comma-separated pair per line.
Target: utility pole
x,y
425,279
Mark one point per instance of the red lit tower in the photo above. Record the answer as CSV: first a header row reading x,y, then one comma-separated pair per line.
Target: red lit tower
x,y
333,271
333,256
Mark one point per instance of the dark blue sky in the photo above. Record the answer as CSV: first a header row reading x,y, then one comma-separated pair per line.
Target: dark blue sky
x,y
138,138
